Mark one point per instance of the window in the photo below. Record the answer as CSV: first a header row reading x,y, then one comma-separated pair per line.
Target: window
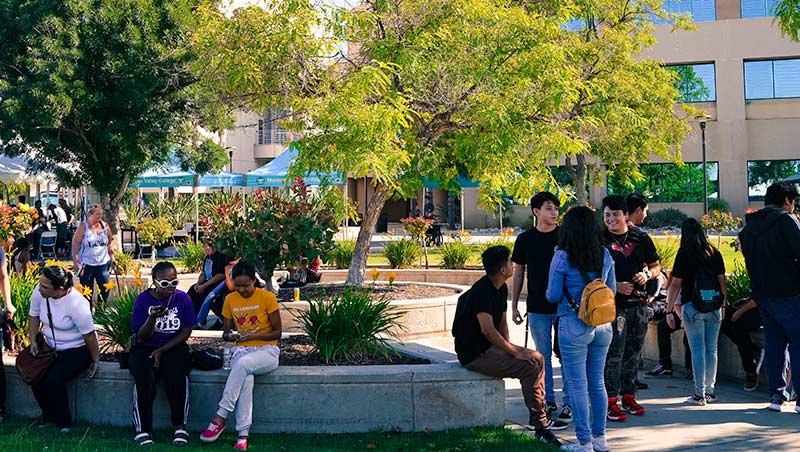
x,y
701,10
269,132
668,182
771,79
762,173
758,8
696,82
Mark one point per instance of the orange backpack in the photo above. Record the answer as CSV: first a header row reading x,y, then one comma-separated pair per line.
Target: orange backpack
x,y
598,306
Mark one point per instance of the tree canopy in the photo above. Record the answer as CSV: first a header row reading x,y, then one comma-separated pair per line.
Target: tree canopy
x,y
97,91
788,13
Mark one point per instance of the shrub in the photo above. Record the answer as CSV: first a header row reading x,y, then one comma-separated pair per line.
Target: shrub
x,y
503,239
665,218
192,255
342,253
351,326
124,263
134,214
667,248
455,254
402,253
738,283
114,321
22,286
718,204
178,210
154,231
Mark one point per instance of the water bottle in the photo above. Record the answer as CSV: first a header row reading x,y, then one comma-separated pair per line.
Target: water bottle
x,y
226,355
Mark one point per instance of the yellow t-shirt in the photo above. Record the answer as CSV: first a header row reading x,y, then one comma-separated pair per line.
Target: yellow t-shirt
x,y
251,315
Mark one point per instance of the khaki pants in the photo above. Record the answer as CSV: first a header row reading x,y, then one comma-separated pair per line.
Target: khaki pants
x,y
497,363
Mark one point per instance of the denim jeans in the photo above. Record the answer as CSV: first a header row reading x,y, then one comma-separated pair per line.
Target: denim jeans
x,y
583,358
91,274
202,313
541,326
702,330
781,317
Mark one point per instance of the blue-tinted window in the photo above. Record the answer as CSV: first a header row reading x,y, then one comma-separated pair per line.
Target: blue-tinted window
x,y
668,182
771,79
696,82
758,8
701,10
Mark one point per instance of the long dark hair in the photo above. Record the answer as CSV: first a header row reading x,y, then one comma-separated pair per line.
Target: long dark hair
x,y
694,241
580,236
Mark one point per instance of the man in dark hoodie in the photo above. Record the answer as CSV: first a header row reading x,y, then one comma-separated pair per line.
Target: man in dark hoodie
x,y
771,247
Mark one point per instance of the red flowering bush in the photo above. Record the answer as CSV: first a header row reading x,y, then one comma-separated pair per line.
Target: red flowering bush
x,y
16,221
416,227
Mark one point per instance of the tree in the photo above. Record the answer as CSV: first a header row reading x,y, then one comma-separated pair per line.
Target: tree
x,y
689,85
427,89
765,172
788,13
97,91
625,108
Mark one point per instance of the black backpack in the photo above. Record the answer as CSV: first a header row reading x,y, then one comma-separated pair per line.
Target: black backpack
x,y
707,293
206,359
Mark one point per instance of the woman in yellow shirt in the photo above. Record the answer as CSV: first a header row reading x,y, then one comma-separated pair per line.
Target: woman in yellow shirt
x,y
254,313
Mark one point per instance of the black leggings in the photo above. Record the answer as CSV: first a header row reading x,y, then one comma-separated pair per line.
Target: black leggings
x,y
51,390
175,365
739,333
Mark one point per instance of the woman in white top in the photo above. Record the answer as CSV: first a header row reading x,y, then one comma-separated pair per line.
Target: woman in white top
x,y
93,252
68,327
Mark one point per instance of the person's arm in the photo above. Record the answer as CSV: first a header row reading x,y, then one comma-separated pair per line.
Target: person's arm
x,y
748,306
213,282
76,244
110,244
672,306
498,340
277,330
33,329
610,275
555,281
90,339
145,331
5,289
516,290
504,328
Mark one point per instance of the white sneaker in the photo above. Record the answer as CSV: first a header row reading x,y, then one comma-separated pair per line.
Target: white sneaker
x,y
599,443
578,447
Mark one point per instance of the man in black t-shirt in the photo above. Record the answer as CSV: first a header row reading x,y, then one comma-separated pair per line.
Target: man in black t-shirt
x,y
635,263
480,330
212,274
533,252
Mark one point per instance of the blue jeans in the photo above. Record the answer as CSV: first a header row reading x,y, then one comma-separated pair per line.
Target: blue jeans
x,y
541,326
583,360
91,274
202,314
781,317
702,331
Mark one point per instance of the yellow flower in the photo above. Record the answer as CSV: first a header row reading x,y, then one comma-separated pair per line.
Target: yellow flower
x,y
85,291
391,276
375,274
50,262
109,285
34,266
138,281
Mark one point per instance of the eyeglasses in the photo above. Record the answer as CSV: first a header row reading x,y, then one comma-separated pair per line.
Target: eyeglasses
x,y
164,283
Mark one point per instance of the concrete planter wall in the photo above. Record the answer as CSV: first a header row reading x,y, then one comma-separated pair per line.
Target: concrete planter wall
x,y
339,399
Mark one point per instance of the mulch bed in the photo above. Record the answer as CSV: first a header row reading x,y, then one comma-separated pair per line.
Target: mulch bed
x,y
395,292
296,350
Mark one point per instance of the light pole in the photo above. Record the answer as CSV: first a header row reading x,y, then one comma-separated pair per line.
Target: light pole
x,y
705,173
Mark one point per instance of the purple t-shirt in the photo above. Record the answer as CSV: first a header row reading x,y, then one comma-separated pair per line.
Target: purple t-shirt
x,y
181,315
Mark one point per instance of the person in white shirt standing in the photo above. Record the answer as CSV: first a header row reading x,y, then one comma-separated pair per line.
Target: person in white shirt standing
x,y
57,214
67,326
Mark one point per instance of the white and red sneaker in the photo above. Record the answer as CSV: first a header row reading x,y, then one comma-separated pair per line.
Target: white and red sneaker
x,y
212,432
241,444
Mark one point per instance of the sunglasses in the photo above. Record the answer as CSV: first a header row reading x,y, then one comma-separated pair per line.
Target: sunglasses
x,y
164,283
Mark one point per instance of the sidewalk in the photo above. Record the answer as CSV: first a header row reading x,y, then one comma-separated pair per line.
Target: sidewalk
x,y
738,422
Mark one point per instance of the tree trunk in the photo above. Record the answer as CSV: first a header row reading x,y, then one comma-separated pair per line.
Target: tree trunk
x,y
358,264
578,175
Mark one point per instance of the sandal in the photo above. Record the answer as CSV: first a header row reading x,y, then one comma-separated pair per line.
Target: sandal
x,y
143,439
180,438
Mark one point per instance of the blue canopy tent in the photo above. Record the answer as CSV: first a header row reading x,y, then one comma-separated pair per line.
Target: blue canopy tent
x,y
172,176
276,172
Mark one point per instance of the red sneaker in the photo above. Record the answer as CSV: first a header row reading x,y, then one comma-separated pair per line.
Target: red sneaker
x,y
212,432
241,444
629,404
614,413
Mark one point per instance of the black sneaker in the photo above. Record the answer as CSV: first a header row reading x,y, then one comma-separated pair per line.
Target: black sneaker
x,y
659,371
555,425
565,415
545,435
550,407
640,385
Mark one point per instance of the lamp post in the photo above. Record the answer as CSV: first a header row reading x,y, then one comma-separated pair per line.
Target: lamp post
x,y
705,173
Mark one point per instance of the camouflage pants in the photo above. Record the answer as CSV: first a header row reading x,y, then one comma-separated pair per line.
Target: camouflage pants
x,y
622,361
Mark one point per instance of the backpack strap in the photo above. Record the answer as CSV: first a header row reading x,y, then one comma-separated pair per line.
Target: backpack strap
x,y
570,300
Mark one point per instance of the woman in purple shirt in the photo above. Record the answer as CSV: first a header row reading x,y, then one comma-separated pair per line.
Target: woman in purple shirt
x,y
163,318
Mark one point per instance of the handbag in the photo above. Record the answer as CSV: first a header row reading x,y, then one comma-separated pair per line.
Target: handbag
x,y
32,368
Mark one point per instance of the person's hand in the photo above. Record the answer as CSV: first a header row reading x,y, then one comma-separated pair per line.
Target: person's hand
x,y
671,320
515,317
156,356
640,278
737,314
624,287
10,309
244,337
76,267
157,312
34,348
92,370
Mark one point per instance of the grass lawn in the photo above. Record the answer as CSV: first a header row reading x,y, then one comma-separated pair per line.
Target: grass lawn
x,y
16,436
